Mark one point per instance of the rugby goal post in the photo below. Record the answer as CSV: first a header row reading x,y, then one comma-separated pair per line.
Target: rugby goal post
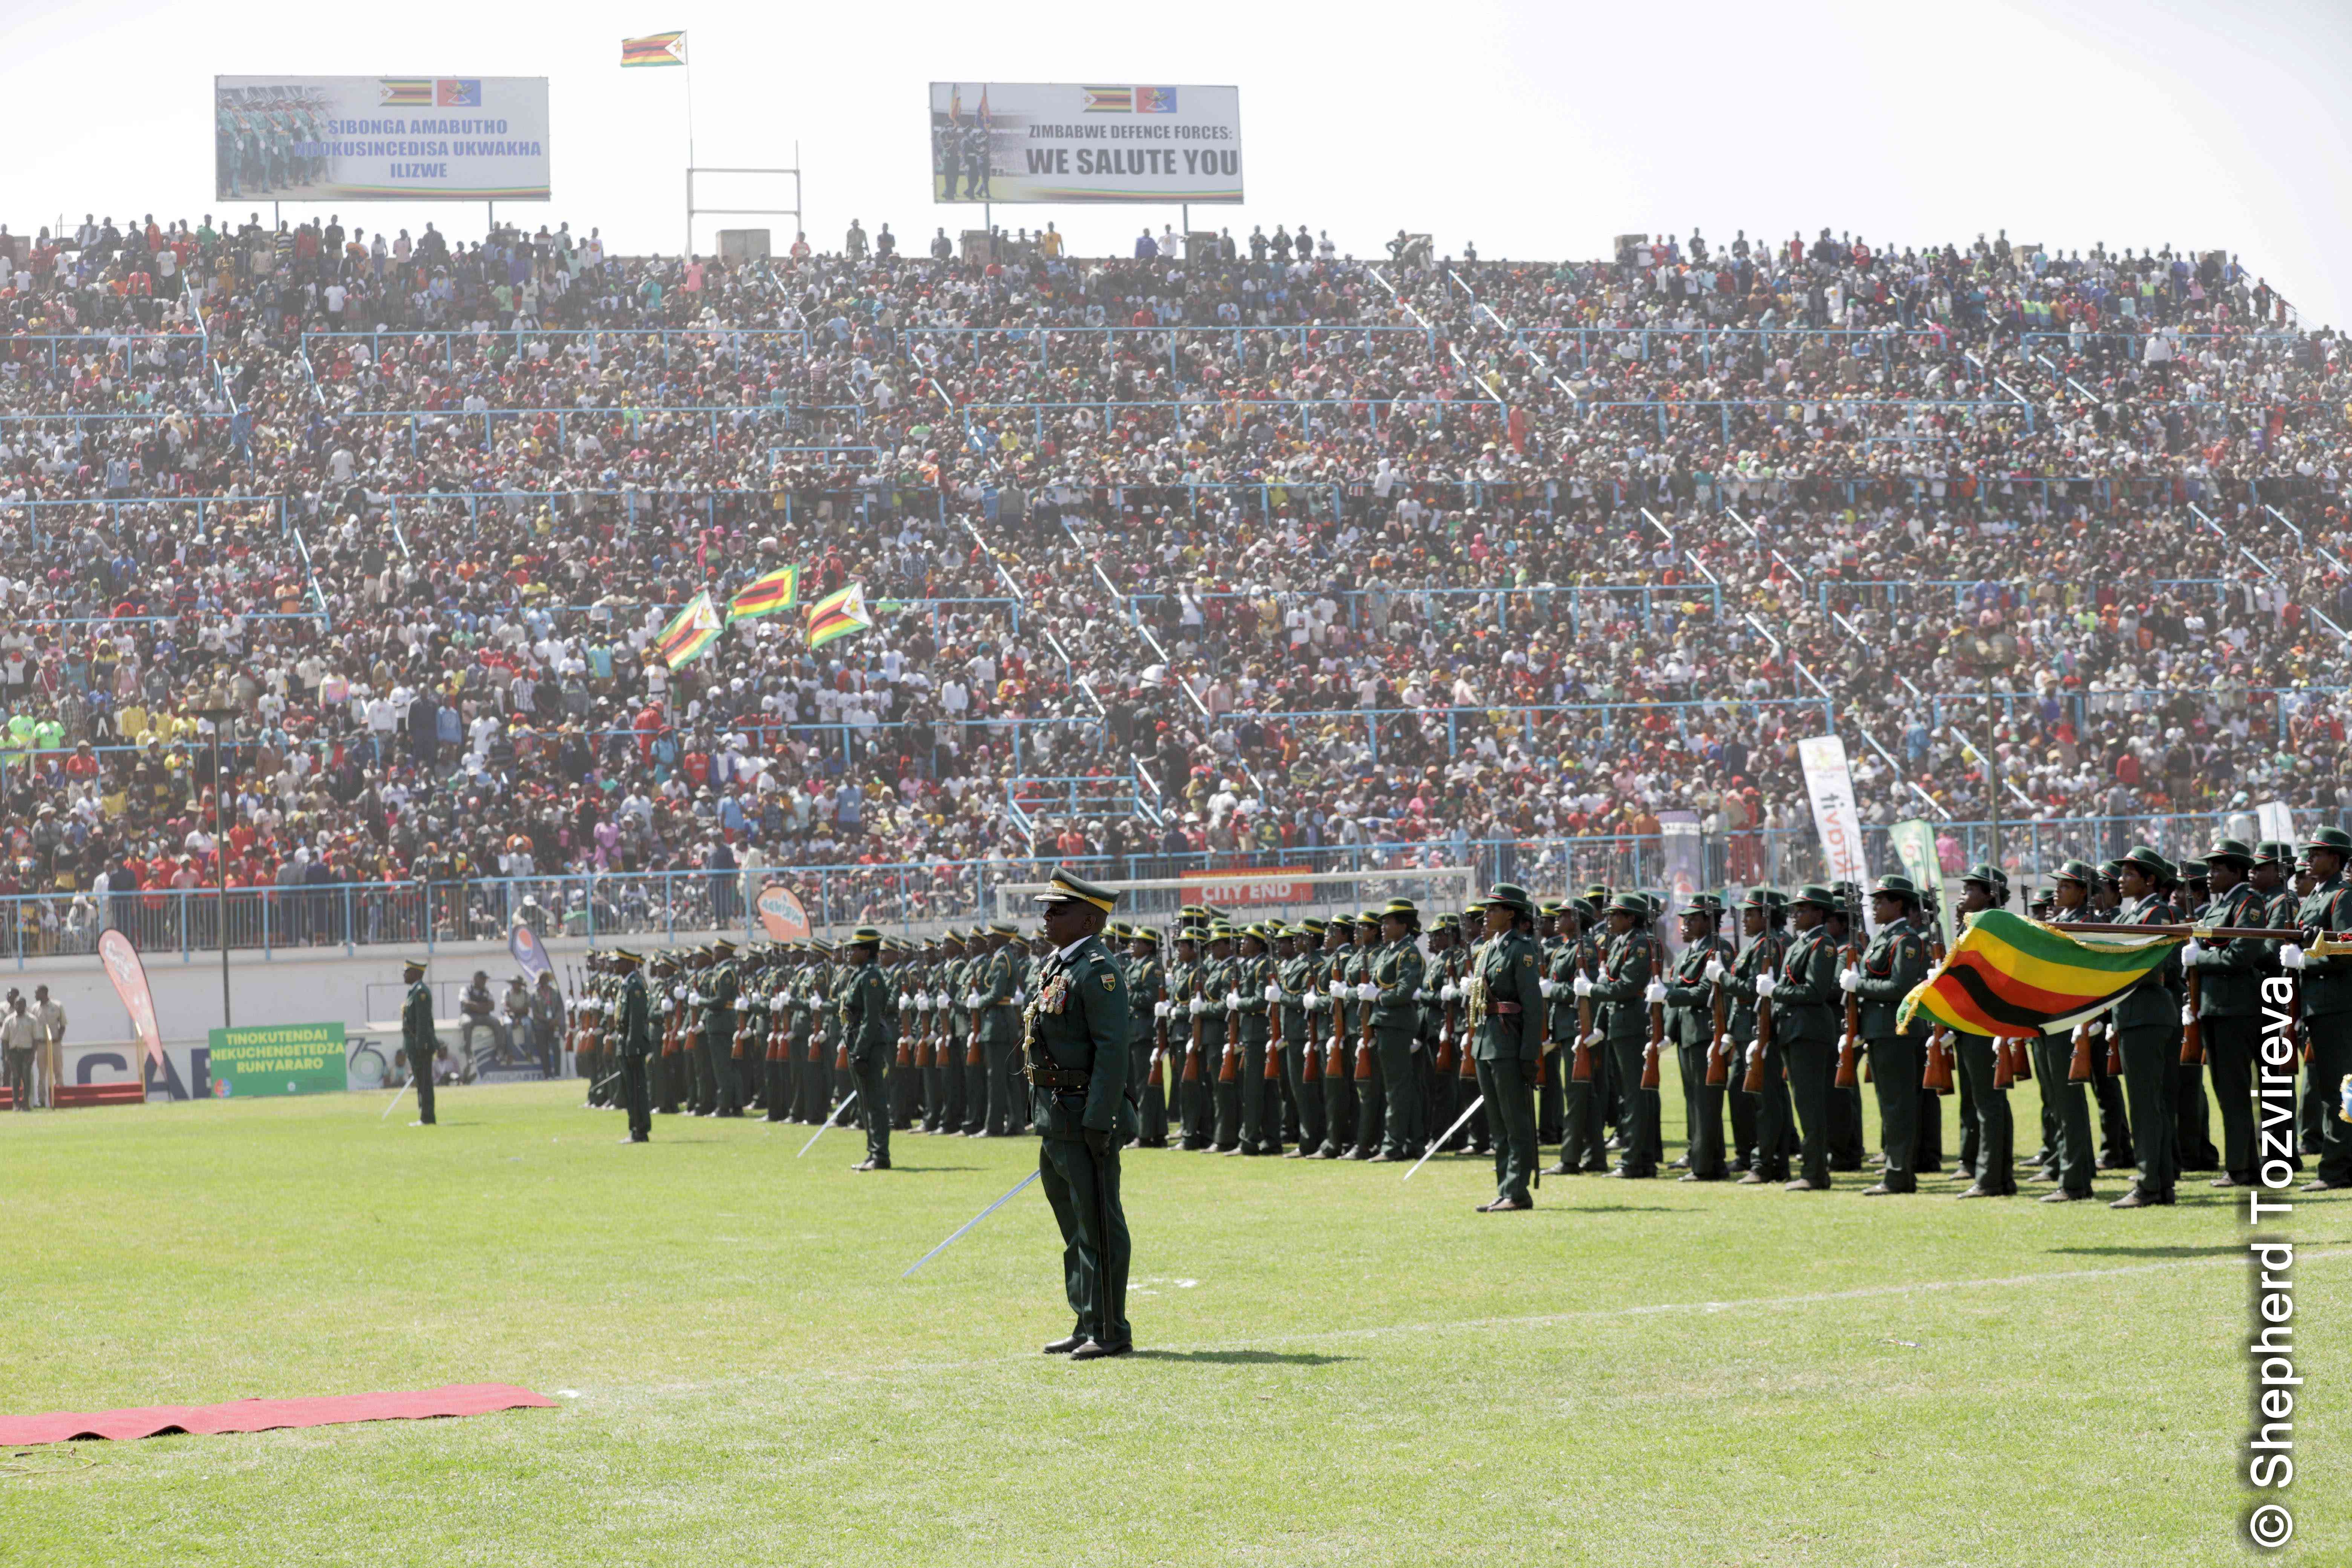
x,y
1265,892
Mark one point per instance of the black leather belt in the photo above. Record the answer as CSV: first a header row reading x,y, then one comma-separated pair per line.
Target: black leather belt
x,y
1506,1009
1058,1078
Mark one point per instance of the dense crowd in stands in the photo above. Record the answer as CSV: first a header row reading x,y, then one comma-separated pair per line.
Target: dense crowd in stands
x,y
1170,556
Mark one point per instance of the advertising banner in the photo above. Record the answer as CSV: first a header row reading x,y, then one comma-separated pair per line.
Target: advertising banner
x,y
277,1058
129,978
781,914
1247,889
1830,784
1067,142
369,137
1914,842
528,952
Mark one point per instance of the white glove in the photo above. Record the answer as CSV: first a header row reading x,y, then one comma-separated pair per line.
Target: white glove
x,y
1197,1008
1337,991
971,998
1765,986
1159,1008
1273,994
678,993
2291,956
2188,1018
1232,1001
1415,1045
1714,972
1314,1000
2191,951
1657,993
1451,993
1583,987
1545,985
940,1000
1367,992
1849,978
905,1001
1020,995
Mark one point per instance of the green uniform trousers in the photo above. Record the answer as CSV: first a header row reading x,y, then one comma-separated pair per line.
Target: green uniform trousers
x,y
1403,1132
1810,1066
2331,1058
1703,1113
1896,1062
2151,1065
1511,1102
1995,1129
420,1073
2230,1045
637,1094
2066,1111
1083,1188
872,1069
1640,1141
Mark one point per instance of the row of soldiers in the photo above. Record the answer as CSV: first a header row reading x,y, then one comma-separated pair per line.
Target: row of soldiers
x,y
759,1031
1345,1038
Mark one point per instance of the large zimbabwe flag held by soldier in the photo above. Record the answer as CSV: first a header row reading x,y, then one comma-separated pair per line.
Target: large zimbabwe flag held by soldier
x,y
2010,975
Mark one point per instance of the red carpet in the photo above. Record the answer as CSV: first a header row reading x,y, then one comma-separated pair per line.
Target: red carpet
x,y
261,1415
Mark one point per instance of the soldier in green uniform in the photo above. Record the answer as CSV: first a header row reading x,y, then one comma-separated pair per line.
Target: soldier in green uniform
x,y
637,1042
1438,1048
2273,861
592,1003
1252,1004
1506,992
417,1041
1370,1082
1584,1138
751,1045
869,1024
1760,1120
1552,924
719,991
1339,1075
1805,1029
2072,1154
1075,1040
2228,1002
1620,994
2327,991
1690,1027
1478,1132
2148,1018
1896,961
1146,1004
1205,1024
1846,1099
1000,1028
1299,1008
1396,969
659,980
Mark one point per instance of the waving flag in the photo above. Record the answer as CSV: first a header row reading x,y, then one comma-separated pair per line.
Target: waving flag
x,y
837,615
654,49
778,590
2010,975
689,637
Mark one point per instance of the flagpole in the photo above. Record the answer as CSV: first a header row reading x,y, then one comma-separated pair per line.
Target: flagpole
x,y
689,154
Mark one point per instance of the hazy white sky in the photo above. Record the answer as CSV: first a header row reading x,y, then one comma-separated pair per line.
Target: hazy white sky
x,y
1534,128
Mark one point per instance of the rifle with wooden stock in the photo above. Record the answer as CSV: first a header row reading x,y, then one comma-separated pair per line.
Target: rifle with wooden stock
x,y
1719,1045
1580,1064
1770,967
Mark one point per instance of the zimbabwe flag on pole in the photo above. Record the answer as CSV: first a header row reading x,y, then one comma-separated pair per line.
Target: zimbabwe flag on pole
x,y
837,615
778,590
2010,975
654,49
689,637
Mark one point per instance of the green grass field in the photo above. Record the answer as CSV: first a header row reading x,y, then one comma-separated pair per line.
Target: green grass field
x,y
1341,1368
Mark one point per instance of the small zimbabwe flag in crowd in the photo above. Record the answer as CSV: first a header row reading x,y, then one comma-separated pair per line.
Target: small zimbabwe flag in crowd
x,y
778,590
689,637
654,49
2009,975
837,615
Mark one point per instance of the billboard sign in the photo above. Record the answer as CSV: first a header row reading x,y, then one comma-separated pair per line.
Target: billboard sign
x,y
1069,141
277,1058
380,138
